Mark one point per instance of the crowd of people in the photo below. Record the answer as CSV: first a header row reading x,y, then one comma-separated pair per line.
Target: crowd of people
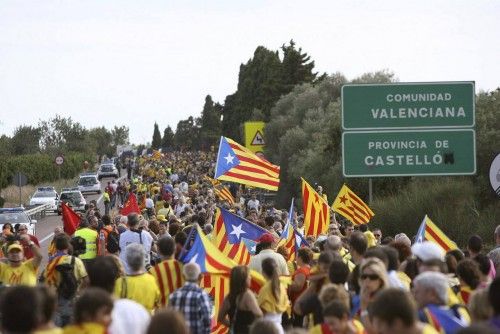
x,y
123,274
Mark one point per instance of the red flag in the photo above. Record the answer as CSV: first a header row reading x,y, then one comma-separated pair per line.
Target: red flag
x,y
70,219
130,206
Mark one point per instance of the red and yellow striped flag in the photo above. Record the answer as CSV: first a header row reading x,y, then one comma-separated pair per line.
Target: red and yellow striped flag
x,y
235,163
316,211
430,232
349,205
224,194
168,275
238,252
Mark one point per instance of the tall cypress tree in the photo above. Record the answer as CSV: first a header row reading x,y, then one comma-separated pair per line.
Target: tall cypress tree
x,y
168,137
156,142
262,81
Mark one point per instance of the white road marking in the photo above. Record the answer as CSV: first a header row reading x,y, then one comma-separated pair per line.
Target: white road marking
x,y
46,238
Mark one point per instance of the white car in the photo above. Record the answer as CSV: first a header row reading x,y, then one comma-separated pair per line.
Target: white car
x,y
45,195
16,216
107,170
89,183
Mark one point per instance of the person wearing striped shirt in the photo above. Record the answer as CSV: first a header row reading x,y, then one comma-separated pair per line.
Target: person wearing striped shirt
x,y
168,273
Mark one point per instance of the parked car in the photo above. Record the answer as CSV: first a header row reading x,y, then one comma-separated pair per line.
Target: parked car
x,y
89,183
107,170
17,216
45,195
73,198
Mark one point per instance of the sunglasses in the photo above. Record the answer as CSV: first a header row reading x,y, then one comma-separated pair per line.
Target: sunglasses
x,y
371,277
377,235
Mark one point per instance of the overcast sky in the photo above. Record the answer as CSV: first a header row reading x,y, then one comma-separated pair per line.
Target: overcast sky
x,y
124,62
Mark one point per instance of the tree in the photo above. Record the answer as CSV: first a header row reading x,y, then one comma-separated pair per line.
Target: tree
x,y
210,123
186,134
306,132
102,140
5,146
296,68
262,81
168,138
120,135
26,140
156,142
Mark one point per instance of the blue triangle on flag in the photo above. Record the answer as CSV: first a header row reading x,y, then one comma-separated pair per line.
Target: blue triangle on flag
x,y
226,158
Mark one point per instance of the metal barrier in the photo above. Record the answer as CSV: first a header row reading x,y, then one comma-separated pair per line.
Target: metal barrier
x,y
38,211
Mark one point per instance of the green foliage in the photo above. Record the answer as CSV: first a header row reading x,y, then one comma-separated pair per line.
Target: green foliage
x,y
187,134
168,138
305,126
41,167
261,82
156,142
210,123
451,203
25,140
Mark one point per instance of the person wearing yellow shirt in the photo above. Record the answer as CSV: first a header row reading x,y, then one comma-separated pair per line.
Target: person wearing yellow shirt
x,y
139,285
64,310
92,313
273,298
17,271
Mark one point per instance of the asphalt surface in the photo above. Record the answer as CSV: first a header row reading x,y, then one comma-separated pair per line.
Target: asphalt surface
x,y
46,225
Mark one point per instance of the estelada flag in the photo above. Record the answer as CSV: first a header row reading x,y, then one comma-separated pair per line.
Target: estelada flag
x,y
316,211
70,219
224,194
430,232
349,205
235,163
130,206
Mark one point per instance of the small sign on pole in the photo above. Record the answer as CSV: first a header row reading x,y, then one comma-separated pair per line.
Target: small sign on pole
x,y
495,174
20,180
59,161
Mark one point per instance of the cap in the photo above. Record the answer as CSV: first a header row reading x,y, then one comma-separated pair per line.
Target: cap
x,y
427,250
161,218
14,246
267,237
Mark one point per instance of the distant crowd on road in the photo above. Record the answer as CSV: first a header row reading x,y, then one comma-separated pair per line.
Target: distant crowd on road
x,y
123,274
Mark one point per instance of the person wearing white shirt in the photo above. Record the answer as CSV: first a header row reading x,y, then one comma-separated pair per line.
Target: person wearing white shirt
x,y
135,235
253,203
266,241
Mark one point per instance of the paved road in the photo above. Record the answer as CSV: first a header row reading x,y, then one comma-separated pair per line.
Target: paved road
x,y
45,226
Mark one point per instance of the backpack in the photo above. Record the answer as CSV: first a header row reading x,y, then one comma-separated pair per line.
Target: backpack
x,y
68,284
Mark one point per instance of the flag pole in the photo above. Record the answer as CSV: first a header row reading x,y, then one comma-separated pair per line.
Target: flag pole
x,y
370,191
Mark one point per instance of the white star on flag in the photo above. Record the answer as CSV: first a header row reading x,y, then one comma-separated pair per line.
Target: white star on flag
x,y
229,158
238,231
194,258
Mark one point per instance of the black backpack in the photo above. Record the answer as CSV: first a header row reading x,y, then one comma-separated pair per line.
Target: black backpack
x,y
68,284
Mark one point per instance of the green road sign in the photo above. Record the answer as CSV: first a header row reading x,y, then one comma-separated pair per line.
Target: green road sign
x,y
409,153
408,105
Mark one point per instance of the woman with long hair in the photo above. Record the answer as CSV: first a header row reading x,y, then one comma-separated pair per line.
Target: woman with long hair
x,y
273,298
240,308
372,279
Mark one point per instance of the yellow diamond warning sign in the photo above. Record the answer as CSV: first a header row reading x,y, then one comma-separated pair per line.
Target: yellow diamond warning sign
x,y
254,136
